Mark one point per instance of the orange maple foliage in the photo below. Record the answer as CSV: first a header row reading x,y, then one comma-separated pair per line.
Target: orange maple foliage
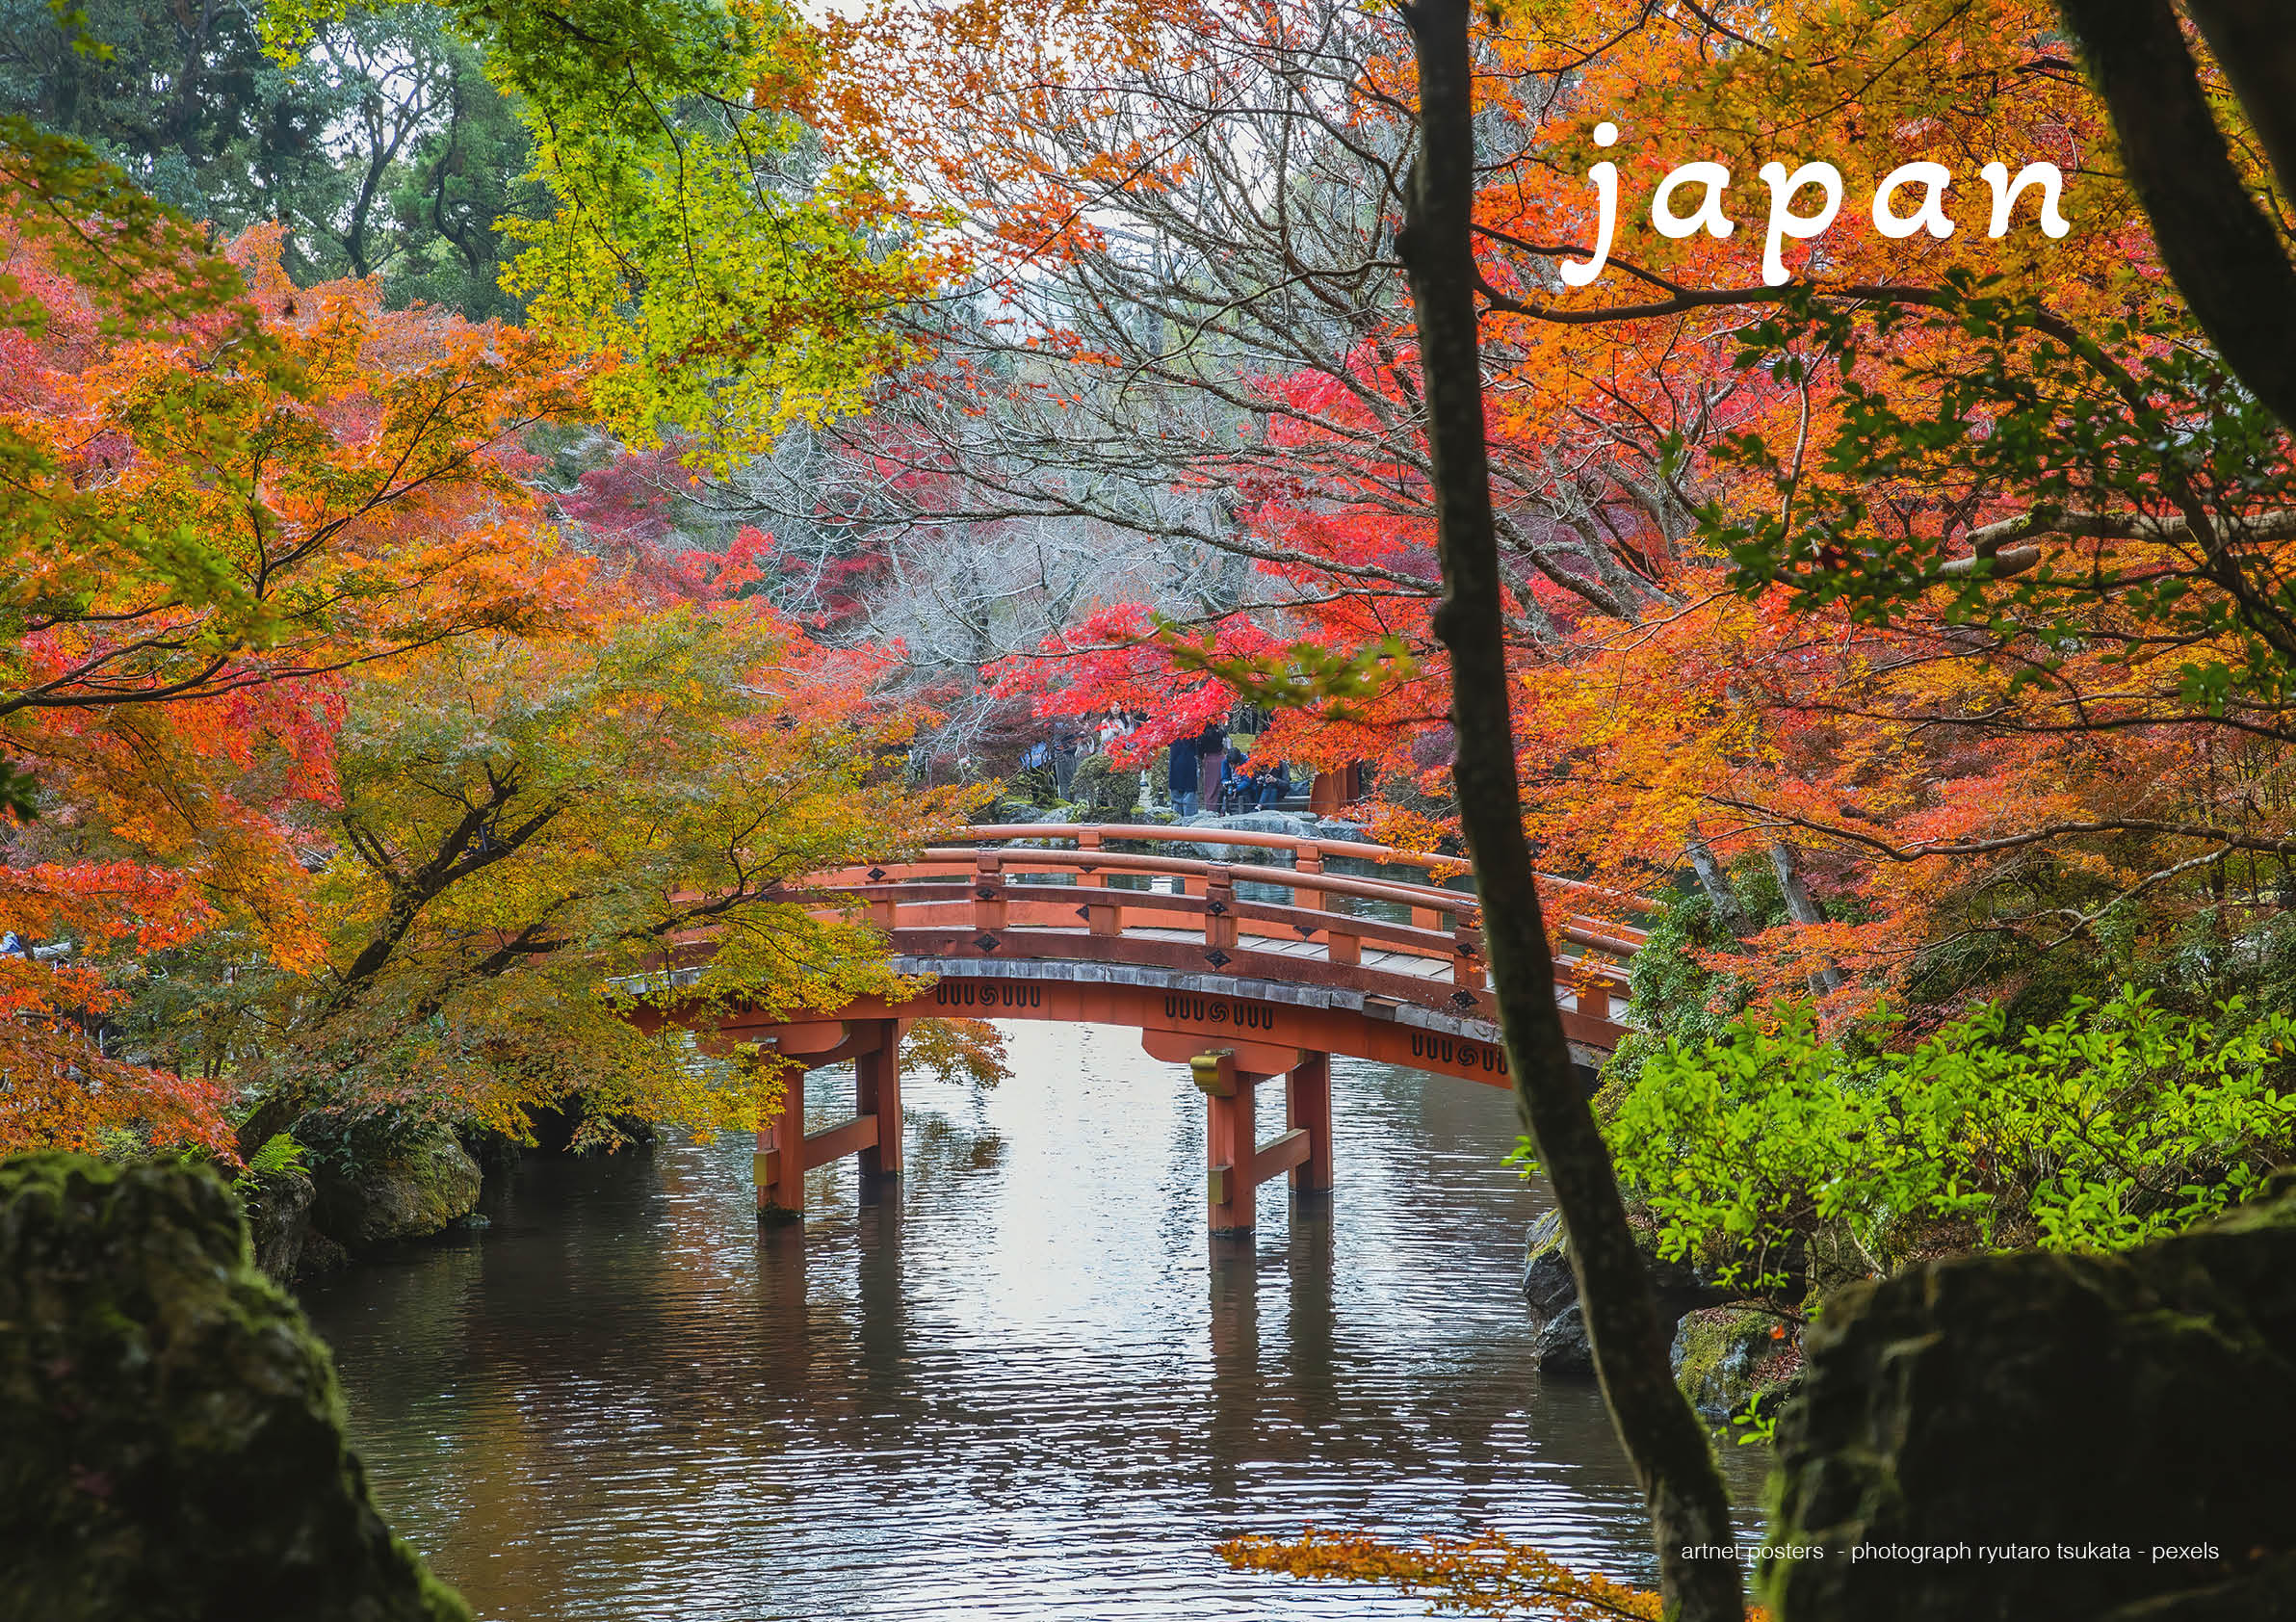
x,y
1949,793
1487,1574
209,534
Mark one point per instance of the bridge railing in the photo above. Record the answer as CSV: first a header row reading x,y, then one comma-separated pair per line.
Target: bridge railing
x,y
1597,898
1009,891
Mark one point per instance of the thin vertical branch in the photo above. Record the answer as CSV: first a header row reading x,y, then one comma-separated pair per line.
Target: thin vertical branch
x,y
1672,1455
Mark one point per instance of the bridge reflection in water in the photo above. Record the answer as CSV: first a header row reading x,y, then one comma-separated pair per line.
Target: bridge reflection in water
x,y
1016,1385
1246,973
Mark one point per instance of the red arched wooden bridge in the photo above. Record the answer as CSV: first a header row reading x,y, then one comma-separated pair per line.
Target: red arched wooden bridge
x,y
1243,971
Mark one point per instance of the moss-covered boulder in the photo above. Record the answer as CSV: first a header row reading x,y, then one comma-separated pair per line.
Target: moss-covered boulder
x,y
411,1190
1552,1293
171,1433
1731,1361
278,1202
2027,1437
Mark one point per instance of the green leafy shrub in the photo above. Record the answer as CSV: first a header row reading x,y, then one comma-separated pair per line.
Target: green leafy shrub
x,y
1105,794
2114,1125
1673,993
280,1152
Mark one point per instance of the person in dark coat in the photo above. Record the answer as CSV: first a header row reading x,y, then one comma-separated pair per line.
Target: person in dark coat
x,y
1181,776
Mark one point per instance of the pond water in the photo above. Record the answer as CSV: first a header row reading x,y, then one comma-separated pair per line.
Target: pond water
x,y
1021,1383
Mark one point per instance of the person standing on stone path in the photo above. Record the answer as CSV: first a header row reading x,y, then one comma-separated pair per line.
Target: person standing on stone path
x,y
1181,776
1212,752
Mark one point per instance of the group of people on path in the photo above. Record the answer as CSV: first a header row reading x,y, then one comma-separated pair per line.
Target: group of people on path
x,y
1207,772
1067,744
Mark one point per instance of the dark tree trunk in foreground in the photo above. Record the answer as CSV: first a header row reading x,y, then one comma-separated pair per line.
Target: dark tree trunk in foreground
x,y
2254,43
2224,252
1671,1453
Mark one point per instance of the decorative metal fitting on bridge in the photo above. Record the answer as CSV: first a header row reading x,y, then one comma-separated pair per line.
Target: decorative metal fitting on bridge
x,y
1214,1073
986,892
986,943
1463,1000
1217,959
876,876
1217,909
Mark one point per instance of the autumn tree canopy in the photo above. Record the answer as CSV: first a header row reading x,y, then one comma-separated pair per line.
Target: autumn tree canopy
x,y
342,776
1934,593
1922,612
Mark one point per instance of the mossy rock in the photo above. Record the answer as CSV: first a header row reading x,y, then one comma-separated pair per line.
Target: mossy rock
x,y
278,1205
418,1188
1731,1361
2134,1401
174,1445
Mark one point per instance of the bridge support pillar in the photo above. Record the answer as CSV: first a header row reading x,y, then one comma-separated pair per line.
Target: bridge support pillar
x,y
786,1152
781,1157
1307,1108
1238,1162
876,1096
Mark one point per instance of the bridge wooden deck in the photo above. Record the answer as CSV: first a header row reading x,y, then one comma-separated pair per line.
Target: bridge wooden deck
x,y
1245,971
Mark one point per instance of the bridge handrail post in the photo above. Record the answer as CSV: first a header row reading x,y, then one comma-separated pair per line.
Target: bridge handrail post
x,y
1307,860
1467,961
988,890
1593,995
1219,907
1087,876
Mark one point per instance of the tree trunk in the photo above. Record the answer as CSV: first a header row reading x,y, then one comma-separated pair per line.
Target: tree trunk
x,y
1716,884
1672,1456
2255,43
1802,908
2224,252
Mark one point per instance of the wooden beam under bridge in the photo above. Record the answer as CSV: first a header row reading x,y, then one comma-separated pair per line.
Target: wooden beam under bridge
x,y
1238,1163
786,1150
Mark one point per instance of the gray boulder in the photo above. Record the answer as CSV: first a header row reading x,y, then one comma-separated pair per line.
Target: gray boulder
x,y
1551,1295
415,1191
2131,1418
1563,1346
1547,1287
1269,822
1211,826
175,1447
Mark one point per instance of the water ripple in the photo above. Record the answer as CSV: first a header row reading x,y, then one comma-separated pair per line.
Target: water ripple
x,y
1024,1386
